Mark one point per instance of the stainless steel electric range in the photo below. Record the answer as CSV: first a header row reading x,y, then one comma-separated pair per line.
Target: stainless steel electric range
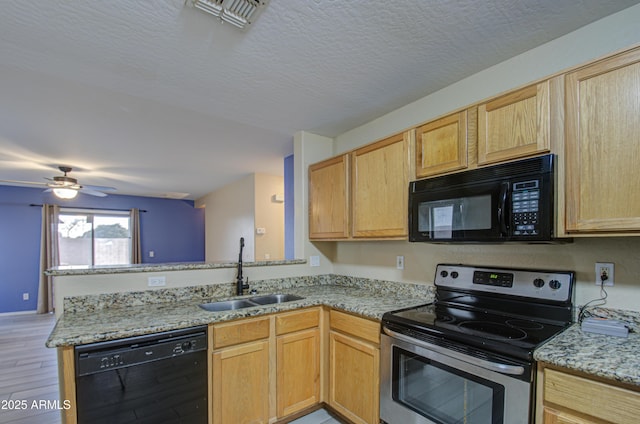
x,y
468,357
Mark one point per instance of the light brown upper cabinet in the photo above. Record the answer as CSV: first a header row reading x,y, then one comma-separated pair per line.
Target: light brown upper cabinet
x,y
517,124
441,145
329,199
362,194
380,182
603,146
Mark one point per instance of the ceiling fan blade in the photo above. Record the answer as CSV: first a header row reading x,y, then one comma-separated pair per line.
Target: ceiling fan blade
x,y
22,182
99,188
91,192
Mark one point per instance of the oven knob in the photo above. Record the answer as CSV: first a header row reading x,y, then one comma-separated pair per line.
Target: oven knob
x,y
538,282
444,274
454,274
554,284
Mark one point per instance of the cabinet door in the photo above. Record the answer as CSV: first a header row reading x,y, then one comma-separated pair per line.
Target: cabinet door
x,y
354,380
603,152
380,183
441,145
329,199
298,365
241,384
515,125
554,417
602,401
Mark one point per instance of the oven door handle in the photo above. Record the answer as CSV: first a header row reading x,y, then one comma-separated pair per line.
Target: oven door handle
x,y
492,366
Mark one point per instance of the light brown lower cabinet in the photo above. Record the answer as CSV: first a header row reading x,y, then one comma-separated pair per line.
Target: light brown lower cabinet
x,y
576,399
298,365
265,368
240,371
551,416
241,384
354,368
297,361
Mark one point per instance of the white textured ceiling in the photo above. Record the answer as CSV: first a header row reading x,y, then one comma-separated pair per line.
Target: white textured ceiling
x,y
153,97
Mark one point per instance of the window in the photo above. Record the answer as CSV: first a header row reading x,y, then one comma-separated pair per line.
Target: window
x,y
89,238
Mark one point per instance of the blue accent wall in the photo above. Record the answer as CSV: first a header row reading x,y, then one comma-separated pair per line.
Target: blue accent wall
x,y
289,209
173,229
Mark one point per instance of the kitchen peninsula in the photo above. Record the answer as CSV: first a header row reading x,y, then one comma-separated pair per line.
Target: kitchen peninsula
x,y
336,321
331,310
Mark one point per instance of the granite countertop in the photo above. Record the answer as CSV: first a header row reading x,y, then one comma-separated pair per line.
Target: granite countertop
x,y
92,319
609,357
159,267
119,322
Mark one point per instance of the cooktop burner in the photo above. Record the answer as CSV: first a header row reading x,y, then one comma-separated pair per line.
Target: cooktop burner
x,y
474,306
478,323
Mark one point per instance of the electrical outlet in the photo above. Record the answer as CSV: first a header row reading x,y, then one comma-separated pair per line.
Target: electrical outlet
x,y
25,296
400,262
314,260
604,272
157,281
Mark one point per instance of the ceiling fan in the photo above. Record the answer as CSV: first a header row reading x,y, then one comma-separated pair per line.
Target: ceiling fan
x,y
66,187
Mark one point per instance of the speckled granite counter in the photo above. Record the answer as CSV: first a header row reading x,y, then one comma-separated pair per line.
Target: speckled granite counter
x,y
90,323
163,267
614,358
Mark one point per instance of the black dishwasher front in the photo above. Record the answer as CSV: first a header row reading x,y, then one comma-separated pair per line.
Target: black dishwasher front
x,y
159,378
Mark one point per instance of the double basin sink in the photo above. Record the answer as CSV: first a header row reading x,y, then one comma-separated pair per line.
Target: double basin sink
x,y
229,305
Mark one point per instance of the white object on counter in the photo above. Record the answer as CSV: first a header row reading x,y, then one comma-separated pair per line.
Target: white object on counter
x,y
609,327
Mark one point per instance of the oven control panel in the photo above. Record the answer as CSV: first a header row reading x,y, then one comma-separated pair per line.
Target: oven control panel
x,y
536,284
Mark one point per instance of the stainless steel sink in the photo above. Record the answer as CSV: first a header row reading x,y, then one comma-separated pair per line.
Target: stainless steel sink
x,y
268,299
275,298
227,305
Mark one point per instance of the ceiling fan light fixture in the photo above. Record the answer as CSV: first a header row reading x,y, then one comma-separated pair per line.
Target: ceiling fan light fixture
x,y
239,13
65,193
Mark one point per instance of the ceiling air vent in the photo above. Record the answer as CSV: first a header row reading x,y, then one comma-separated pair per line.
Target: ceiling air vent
x,y
240,13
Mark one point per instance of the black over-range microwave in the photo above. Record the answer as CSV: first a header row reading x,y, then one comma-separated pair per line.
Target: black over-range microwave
x,y
507,202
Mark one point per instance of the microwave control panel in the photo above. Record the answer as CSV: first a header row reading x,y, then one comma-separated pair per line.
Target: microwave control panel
x,y
525,208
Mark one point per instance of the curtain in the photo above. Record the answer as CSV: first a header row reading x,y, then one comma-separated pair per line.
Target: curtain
x,y
136,252
48,256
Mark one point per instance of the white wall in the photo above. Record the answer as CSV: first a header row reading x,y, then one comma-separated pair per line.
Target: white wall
x,y
377,259
229,215
269,214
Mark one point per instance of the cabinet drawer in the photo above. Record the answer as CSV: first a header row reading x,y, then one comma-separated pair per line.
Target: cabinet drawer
x,y
359,327
590,397
296,321
237,332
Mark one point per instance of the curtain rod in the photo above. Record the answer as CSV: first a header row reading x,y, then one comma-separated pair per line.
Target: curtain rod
x,y
94,209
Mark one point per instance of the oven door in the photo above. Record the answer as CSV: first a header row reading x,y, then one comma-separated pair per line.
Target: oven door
x,y
421,383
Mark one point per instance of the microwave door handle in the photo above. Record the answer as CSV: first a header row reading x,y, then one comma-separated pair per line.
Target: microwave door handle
x,y
502,209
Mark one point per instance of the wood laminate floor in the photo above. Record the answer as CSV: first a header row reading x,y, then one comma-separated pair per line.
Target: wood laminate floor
x,y
28,370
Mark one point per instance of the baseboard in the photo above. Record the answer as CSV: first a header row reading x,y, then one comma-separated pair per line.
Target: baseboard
x,y
6,314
